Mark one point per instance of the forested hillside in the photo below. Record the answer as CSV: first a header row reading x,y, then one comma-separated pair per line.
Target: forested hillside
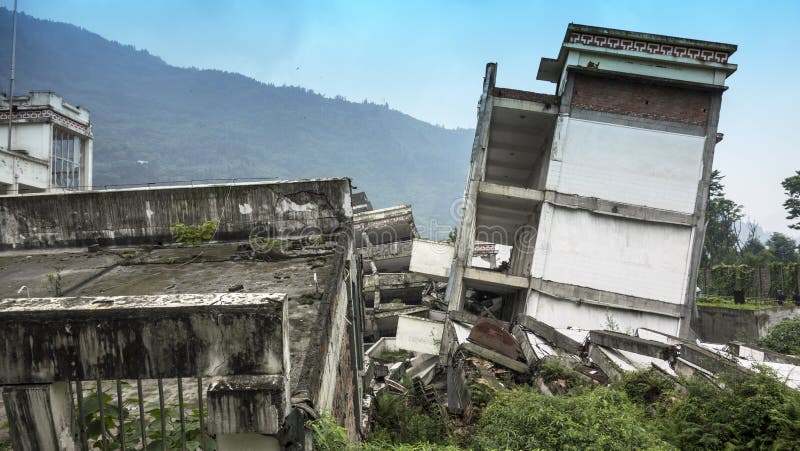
x,y
204,124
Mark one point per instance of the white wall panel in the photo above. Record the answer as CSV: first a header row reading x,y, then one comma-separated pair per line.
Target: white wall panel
x,y
628,165
431,258
562,314
625,256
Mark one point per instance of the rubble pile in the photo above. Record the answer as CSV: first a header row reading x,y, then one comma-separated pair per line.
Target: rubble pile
x,y
493,355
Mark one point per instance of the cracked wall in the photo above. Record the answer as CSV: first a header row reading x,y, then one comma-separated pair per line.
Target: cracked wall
x,y
146,216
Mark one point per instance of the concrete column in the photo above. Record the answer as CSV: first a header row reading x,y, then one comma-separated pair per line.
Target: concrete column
x,y
40,417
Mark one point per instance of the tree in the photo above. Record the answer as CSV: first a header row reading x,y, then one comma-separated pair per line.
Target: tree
x,y
722,219
792,204
782,247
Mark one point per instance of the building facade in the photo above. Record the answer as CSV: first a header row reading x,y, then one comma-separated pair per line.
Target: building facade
x,y
51,145
600,189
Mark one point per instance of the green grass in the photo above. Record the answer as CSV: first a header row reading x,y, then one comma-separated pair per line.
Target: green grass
x,y
750,303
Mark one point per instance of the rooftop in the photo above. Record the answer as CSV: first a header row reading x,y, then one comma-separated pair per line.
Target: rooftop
x,y
196,269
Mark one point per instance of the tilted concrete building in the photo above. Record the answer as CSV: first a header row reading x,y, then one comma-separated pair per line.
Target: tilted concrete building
x,y
51,145
600,189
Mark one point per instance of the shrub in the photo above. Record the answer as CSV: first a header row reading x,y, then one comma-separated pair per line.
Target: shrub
x,y
398,420
784,337
115,417
328,435
603,418
194,233
647,386
747,412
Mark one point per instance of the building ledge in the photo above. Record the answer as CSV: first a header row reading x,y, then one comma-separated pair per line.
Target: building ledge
x,y
494,281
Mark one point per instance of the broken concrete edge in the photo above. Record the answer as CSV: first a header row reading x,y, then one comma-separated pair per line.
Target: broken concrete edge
x,y
759,354
524,344
550,334
247,404
617,340
495,357
469,318
60,219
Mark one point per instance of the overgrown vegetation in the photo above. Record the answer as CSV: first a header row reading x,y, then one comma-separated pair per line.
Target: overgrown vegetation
x,y
194,234
784,337
604,418
394,356
643,410
399,419
739,412
128,420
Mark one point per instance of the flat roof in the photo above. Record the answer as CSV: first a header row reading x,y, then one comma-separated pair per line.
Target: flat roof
x,y
197,269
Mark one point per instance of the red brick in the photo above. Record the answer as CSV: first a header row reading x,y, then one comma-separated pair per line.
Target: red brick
x,y
667,103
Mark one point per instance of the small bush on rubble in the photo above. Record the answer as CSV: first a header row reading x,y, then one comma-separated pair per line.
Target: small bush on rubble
x,y
745,412
784,337
603,418
647,386
399,420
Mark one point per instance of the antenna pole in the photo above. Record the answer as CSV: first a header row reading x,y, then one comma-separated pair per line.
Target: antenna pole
x,y
15,186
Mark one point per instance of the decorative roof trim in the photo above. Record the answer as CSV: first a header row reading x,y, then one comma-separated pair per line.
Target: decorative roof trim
x,y
46,114
652,48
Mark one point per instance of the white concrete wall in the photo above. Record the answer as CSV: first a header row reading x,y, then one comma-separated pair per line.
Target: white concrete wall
x,y
431,258
419,334
627,164
562,314
30,173
608,253
35,138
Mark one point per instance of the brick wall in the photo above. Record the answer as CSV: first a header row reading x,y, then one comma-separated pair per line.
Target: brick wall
x,y
346,391
641,100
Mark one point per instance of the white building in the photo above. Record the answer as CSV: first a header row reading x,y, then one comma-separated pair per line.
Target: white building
x,y
600,188
51,145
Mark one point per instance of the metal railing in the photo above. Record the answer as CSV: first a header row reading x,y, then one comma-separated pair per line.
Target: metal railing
x,y
125,419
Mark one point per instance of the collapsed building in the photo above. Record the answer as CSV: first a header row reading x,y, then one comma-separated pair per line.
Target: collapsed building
x,y
579,241
257,322
601,188
384,238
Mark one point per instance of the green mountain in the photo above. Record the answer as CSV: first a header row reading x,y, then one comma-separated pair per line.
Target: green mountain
x,y
208,124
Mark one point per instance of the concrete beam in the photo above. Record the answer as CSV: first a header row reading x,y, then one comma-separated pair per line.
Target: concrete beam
x,y
498,280
758,354
45,340
706,359
603,298
526,194
524,344
495,357
468,318
617,209
526,105
556,338
616,340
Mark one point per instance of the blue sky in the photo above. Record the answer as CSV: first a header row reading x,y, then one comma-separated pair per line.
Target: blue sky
x,y
426,58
